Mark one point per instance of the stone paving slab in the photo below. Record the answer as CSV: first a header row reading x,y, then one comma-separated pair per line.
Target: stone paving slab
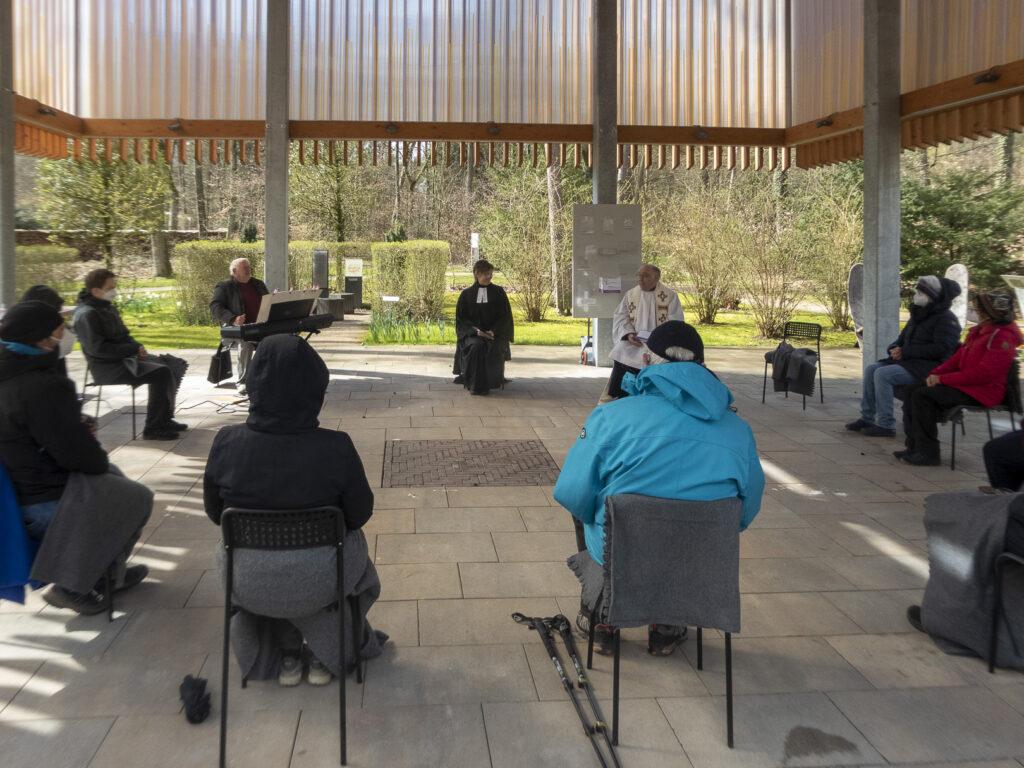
x,y
827,670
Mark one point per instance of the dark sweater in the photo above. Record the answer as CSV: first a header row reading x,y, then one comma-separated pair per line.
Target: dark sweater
x,y
281,458
42,437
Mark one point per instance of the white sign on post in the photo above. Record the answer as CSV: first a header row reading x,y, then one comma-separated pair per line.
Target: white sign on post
x,y
353,267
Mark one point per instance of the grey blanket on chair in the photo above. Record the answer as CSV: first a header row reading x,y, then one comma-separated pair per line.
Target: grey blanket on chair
x,y
966,531
299,585
97,518
699,538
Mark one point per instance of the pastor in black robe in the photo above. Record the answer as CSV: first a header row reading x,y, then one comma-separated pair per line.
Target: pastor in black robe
x,y
479,359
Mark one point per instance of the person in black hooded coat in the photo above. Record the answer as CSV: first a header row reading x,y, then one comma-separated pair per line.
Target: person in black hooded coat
x,y
282,459
929,338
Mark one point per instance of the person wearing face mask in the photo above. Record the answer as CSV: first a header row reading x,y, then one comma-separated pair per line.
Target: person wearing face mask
x,y
929,338
114,357
47,295
49,453
974,375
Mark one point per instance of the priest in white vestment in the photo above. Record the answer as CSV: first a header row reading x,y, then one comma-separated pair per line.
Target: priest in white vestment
x,y
642,309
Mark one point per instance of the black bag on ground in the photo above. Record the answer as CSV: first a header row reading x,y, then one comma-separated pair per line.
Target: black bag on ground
x,y
220,365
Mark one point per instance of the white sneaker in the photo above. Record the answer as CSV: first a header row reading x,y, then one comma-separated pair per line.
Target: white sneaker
x,y
318,674
241,389
290,674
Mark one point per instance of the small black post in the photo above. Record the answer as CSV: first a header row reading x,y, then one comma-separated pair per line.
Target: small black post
x,y
728,687
229,585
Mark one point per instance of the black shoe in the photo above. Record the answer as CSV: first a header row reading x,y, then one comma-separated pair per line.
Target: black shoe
x,y
88,604
160,433
480,392
858,425
874,431
458,380
914,617
176,425
901,454
661,643
133,575
920,460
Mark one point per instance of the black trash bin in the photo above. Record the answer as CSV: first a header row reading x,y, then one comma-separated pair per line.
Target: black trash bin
x,y
354,285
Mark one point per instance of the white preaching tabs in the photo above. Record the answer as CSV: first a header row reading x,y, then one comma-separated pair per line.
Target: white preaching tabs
x,y
481,295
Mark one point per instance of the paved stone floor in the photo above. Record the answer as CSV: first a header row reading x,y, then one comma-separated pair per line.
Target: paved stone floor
x,y
827,671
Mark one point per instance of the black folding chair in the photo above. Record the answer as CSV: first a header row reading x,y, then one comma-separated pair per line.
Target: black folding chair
x,y
282,529
793,331
99,393
692,579
1011,404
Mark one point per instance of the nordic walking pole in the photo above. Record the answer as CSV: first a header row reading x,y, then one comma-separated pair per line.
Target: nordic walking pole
x,y
547,639
561,623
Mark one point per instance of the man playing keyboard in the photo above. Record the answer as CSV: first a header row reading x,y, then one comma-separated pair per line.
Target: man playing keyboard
x,y
236,301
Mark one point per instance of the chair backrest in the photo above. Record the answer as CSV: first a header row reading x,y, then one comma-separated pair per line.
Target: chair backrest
x,y
282,528
672,562
794,330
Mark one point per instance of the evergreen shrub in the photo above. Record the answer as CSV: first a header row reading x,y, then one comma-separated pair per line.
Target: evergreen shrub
x,y
414,271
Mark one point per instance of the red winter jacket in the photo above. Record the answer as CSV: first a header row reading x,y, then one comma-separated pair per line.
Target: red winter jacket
x,y
979,367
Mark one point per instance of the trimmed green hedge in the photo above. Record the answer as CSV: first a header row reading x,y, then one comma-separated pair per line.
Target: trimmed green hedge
x,y
51,265
201,264
414,271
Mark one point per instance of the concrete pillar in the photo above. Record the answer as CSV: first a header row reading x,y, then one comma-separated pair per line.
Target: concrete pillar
x,y
881,177
7,290
277,144
604,92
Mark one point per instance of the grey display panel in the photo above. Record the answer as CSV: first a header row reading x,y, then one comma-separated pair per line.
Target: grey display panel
x,y
605,256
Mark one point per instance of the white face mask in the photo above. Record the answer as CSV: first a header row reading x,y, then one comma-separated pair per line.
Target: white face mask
x,y
921,299
110,295
65,343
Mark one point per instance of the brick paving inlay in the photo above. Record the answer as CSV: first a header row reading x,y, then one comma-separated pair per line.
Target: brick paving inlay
x,y
410,463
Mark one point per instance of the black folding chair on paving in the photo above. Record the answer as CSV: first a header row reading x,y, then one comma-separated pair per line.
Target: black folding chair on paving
x,y
798,332
99,393
1011,404
670,562
284,529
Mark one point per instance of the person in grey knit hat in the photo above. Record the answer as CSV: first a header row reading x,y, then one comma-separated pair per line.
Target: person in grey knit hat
x,y
929,338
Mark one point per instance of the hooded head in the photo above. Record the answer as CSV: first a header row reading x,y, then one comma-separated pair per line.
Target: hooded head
x,y
29,322
287,381
996,305
676,341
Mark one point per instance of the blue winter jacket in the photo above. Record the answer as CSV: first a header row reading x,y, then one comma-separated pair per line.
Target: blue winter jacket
x,y
675,437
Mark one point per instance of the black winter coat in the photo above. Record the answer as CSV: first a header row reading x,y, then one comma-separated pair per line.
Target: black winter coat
x,y
227,302
104,337
281,458
931,335
42,437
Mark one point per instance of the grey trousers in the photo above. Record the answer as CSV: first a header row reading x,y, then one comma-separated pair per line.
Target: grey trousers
x,y
245,352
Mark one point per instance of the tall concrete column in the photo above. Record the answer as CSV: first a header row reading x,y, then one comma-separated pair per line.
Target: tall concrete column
x,y
604,91
881,176
7,291
277,81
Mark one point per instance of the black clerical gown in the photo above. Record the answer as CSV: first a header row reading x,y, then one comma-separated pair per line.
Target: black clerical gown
x,y
480,360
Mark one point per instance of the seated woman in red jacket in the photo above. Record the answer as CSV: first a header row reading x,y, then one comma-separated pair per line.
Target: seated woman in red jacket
x,y
974,375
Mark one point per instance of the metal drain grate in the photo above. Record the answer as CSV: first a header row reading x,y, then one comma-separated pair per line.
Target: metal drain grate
x,y
410,463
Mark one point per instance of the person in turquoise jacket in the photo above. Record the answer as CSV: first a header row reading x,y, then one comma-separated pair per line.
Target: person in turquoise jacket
x,y
675,437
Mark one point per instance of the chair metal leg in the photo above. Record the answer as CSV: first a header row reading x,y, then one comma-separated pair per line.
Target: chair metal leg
x,y
99,396
615,688
134,433
229,585
700,648
728,688
821,378
764,385
952,449
342,666
988,417
590,641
